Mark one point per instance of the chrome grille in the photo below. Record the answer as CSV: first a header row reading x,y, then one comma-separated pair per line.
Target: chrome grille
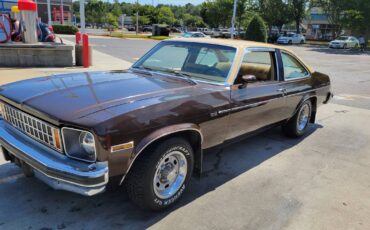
x,y
33,127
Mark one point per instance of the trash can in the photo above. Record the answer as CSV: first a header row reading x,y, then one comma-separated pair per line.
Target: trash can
x,y
28,10
160,30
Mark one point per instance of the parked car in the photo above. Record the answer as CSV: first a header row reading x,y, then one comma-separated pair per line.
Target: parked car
x,y
273,37
291,38
147,29
150,125
344,42
195,35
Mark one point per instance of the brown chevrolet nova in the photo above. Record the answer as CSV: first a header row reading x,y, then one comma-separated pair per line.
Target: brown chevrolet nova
x,y
149,125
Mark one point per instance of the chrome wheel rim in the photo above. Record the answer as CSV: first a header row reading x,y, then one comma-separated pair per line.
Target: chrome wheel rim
x,y
303,117
170,174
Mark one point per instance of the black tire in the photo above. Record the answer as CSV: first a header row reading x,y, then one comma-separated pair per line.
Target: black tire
x,y
292,128
139,182
345,46
290,42
302,42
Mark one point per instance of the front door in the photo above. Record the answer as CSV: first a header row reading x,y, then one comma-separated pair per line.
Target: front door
x,y
257,103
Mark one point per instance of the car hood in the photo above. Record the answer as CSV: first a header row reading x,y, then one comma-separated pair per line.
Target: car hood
x,y
338,41
69,97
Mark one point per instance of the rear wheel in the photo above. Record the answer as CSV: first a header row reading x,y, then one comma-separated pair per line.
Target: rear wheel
x,y
290,42
159,178
298,124
345,46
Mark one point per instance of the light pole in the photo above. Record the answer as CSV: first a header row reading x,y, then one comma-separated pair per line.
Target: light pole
x,y
49,13
233,21
123,22
82,16
137,17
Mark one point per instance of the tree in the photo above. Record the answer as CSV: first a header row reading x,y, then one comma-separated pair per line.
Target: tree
x,y
116,9
298,11
256,30
217,12
112,20
192,21
275,13
144,20
165,15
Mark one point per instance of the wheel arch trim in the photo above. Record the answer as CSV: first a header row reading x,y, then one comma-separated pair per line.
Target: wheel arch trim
x,y
303,100
158,134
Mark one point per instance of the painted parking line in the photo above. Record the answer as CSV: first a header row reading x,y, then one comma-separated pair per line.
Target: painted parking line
x,y
11,178
351,97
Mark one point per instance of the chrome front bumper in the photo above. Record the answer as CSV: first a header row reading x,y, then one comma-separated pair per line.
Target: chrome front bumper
x,y
53,168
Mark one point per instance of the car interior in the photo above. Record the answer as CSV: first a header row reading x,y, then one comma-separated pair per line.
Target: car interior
x,y
258,64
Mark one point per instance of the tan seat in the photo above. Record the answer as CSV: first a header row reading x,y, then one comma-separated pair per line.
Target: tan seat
x,y
262,72
223,66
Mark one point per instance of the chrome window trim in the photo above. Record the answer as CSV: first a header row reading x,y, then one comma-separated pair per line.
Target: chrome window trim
x,y
65,150
156,138
299,61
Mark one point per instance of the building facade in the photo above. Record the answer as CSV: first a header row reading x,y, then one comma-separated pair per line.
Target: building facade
x,y
318,26
42,10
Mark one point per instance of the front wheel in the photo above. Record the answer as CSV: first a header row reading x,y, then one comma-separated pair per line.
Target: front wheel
x,y
159,178
298,124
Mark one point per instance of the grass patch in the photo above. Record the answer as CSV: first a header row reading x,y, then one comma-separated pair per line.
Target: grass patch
x,y
317,43
144,36
325,43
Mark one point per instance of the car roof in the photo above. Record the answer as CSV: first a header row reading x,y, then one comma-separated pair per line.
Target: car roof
x,y
241,44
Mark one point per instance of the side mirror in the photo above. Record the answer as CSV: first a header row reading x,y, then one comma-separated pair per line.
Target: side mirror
x,y
249,78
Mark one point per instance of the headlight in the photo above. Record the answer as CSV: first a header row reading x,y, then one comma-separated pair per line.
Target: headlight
x,y
79,144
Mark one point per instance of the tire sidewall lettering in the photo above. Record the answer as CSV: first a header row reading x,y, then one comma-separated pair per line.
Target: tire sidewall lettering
x,y
165,202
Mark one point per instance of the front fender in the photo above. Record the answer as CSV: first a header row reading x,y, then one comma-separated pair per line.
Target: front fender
x,y
156,135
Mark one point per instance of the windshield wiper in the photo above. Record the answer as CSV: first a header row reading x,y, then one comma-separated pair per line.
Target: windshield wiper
x,y
181,74
144,68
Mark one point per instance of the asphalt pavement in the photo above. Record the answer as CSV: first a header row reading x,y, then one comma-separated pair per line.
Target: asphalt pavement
x,y
319,181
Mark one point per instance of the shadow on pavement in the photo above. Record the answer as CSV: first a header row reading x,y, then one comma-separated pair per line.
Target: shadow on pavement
x,y
29,204
339,51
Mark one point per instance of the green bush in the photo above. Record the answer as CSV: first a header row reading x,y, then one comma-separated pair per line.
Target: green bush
x,y
256,30
64,29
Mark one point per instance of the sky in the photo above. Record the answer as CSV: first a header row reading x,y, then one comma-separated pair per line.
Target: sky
x,y
173,2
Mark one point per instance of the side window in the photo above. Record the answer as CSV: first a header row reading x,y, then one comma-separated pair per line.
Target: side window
x,y
206,57
292,68
260,64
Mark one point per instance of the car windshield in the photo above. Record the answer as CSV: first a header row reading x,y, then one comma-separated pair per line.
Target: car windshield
x,y
187,35
289,35
342,38
198,61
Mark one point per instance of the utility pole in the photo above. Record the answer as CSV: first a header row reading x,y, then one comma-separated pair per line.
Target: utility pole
x,y
123,22
137,17
49,13
82,16
233,21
